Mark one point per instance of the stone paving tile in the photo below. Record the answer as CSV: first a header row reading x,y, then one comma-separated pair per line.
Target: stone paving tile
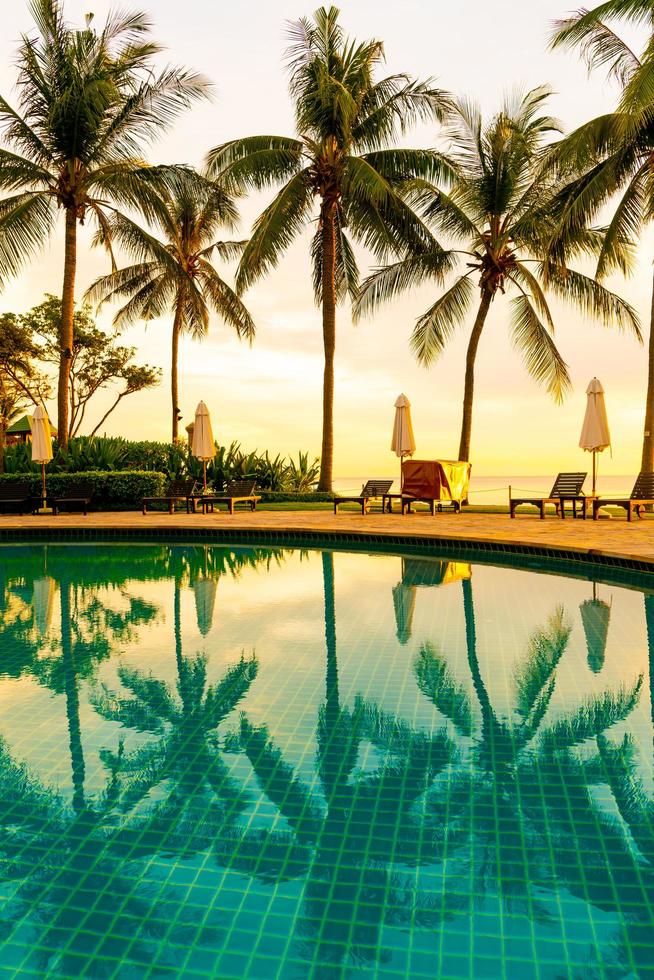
x,y
615,538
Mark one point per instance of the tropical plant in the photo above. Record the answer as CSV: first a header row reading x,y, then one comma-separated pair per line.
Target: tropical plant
x,y
303,475
177,272
343,164
496,211
88,103
613,154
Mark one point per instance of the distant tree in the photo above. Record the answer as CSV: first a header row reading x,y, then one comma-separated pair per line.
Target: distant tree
x,y
88,103
22,383
97,361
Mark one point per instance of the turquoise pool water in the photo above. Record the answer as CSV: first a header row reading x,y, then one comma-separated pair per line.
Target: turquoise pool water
x,y
267,762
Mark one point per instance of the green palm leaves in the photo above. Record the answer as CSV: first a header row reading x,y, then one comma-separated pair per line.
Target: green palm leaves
x,y
176,272
342,169
494,207
89,103
608,160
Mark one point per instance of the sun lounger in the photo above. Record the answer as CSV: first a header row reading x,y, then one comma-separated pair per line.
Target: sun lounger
x,y
178,491
642,495
15,496
76,498
566,489
373,490
236,492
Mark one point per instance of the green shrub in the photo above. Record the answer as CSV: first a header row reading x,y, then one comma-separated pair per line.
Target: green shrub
x,y
114,490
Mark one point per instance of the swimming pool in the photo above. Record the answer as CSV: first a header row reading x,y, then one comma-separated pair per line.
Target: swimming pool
x,y
272,762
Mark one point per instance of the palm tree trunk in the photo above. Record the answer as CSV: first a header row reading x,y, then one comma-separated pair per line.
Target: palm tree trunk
x,y
332,700
72,698
329,342
469,385
174,383
647,461
3,444
66,326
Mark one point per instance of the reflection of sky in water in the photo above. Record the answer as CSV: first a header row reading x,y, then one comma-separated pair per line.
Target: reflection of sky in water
x,y
275,607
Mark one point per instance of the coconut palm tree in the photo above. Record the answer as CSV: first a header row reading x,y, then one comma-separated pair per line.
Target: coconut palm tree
x,y
613,154
88,103
175,273
495,211
342,169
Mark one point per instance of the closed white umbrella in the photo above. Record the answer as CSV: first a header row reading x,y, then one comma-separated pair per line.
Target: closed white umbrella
x,y
203,446
403,442
595,436
41,445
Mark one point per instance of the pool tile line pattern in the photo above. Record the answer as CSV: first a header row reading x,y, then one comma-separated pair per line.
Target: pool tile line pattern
x,y
442,782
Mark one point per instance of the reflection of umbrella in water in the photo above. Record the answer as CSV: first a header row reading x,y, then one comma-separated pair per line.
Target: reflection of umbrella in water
x,y
595,616
421,573
204,590
43,602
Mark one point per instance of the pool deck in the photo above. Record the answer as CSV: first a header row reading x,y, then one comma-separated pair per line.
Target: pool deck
x,y
613,538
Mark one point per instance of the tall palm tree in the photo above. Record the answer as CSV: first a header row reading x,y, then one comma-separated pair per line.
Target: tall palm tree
x,y
342,169
495,211
88,103
176,272
615,153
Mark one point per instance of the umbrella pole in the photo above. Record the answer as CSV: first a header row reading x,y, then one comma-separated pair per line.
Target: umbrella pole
x,y
43,491
204,468
594,468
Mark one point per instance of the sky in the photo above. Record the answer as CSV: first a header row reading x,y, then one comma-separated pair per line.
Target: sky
x,y
269,395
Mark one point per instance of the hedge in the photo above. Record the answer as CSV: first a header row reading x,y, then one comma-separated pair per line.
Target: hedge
x,y
113,490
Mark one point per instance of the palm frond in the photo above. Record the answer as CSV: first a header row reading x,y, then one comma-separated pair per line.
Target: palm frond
x,y
275,229
435,327
226,303
26,222
593,718
599,45
593,299
434,680
384,284
546,647
539,352
254,161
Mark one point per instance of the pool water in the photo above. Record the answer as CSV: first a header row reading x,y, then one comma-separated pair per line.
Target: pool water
x,y
267,762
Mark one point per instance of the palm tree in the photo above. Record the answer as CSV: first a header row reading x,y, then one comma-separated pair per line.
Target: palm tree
x,y
343,161
176,272
88,103
496,213
614,153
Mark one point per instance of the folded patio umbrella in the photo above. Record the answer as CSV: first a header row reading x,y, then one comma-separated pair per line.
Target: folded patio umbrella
x,y
403,442
41,445
421,573
595,436
404,603
204,590
595,616
43,602
203,446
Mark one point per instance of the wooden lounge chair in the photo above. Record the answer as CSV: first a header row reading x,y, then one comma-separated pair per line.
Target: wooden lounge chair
x,y
236,492
374,489
76,498
567,487
178,490
641,496
15,496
